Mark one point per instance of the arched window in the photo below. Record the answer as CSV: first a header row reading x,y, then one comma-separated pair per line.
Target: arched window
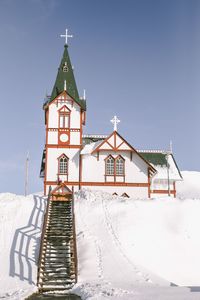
x,y
110,165
63,164
119,165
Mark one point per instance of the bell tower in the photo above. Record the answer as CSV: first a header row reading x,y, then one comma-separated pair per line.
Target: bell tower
x,y
65,114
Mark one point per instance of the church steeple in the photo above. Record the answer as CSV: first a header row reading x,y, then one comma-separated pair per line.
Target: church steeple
x,y
65,80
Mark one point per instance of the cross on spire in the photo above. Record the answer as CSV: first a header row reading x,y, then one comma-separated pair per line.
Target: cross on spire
x,y
66,36
115,121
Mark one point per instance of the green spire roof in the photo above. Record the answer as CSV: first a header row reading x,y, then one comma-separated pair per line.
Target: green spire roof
x,y
64,77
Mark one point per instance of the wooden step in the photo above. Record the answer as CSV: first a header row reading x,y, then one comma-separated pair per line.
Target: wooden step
x,y
64,272
58,282
56,288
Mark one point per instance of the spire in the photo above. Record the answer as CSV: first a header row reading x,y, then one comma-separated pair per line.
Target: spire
x,y
65,79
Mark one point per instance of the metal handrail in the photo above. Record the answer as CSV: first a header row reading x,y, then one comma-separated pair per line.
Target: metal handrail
x,y
42,235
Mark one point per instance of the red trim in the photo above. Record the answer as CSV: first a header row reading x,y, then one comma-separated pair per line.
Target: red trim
x,y
62,186
120,145
63,131
163,192
174,185
69,129
131,184
63,93
63,146
64,112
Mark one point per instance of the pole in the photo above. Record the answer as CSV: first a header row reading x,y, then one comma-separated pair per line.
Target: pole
x,y
168,182
26,174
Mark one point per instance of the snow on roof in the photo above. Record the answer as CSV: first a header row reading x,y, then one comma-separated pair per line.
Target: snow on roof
x,y
87,149
162,170
153,151
95,136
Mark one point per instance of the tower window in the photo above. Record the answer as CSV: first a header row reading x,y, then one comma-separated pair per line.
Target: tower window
x,y
64,117
65,67
63,164
64,121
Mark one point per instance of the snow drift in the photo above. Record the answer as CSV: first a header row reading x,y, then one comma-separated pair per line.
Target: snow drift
x,y
127,249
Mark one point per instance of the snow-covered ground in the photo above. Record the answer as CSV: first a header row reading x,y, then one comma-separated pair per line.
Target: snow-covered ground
x,y
20,229
127,249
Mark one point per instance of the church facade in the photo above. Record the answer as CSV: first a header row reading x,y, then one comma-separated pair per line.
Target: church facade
x,y
99,162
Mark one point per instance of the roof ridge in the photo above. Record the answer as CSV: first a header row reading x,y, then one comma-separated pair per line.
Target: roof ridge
x,y
154,151
94,136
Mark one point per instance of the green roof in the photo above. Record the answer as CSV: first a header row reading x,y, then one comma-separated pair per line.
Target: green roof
x,y
66,74
155,158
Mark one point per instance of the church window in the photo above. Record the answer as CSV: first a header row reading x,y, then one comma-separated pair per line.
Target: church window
x,y
64,117
115,167
119,163
63,164
64,121
110,165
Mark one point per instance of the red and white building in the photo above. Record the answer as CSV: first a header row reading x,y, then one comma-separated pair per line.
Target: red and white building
x,y
108,163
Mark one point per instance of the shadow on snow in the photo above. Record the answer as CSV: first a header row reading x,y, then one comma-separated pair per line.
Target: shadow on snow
x,y
21,259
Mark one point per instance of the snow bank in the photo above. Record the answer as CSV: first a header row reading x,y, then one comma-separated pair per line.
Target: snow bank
x,y
20,228
127,249
190,186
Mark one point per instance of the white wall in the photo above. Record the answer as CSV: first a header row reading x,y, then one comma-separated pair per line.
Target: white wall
x,y
52,163
93,170
74,117
53,137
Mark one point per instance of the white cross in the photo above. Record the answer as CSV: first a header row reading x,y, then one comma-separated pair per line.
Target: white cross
x,y
66,36
115,121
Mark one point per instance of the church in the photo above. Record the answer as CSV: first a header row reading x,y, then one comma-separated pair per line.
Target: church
x,y
73,160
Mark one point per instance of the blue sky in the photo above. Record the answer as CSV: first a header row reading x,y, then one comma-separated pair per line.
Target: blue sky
x,y
139,59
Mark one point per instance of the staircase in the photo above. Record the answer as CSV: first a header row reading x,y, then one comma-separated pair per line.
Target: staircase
x,y
57,268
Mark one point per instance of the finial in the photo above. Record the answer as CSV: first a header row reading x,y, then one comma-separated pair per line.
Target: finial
x,y
115,121
66,36
65,85
170,147
84,95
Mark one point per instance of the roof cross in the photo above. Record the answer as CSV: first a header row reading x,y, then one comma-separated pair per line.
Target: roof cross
x,y
115,121
66,36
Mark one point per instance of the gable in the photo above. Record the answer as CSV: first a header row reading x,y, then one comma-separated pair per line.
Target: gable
x,y
61,189
114,142
61,97
64,109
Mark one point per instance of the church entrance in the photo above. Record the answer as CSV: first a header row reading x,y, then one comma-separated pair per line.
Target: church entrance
x,y
61,193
